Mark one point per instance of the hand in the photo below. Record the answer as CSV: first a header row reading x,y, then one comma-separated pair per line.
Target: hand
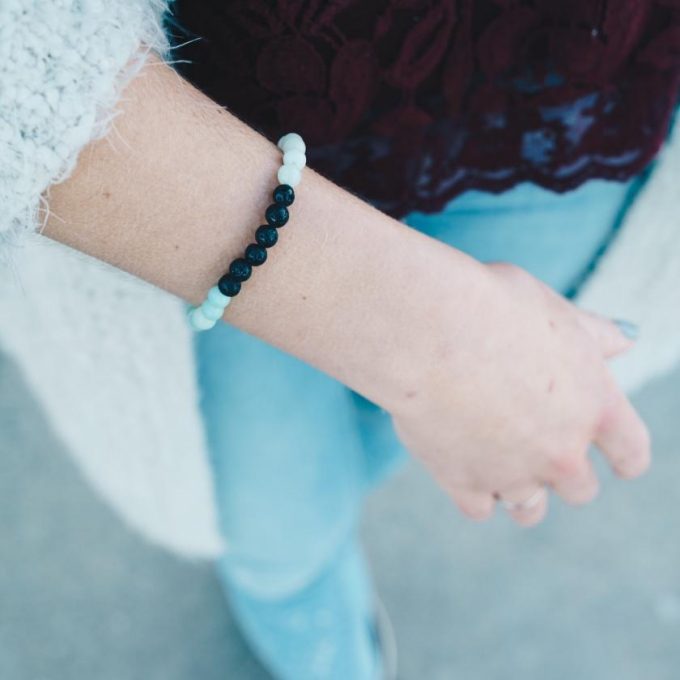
x,y
514,400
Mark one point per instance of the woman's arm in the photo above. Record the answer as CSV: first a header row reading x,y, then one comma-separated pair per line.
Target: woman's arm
x,y
176,191
493,381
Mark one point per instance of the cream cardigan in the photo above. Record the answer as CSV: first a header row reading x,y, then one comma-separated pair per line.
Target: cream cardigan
x,y
119,390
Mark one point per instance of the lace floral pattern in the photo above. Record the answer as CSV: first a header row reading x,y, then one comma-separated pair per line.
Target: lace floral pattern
x,y
407,103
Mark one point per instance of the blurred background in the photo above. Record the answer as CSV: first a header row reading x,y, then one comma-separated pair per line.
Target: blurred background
x,y
592,593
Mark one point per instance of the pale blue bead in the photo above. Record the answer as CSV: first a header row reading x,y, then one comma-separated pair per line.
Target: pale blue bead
x,y
198,321
289,175
217,297
211,311
292,141
294,158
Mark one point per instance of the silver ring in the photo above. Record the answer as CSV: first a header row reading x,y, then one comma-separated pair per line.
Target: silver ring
x,y
528,504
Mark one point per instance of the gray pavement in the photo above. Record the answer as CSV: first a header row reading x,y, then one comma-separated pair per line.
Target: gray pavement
x,y
593,593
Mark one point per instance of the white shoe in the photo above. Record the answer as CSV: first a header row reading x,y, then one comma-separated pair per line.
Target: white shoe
x,y
386,640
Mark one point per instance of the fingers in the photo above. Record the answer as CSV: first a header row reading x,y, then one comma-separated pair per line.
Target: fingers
x,y
527,506
613,337
580,485
622,436
577,485
475,505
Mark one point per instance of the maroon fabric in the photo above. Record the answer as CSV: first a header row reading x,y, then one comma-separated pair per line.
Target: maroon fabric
x,y
407,103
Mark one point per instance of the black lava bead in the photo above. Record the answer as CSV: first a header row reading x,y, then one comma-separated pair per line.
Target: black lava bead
x,y
266,236
240,269
276,215
228,286
284,194
256,254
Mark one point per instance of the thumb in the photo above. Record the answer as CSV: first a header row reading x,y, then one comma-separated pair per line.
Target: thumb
x,y
613,336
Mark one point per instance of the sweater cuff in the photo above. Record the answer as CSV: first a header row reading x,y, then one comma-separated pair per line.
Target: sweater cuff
x,y
63,65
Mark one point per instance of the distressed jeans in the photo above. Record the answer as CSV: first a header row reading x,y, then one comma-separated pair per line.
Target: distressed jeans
x,y
295,452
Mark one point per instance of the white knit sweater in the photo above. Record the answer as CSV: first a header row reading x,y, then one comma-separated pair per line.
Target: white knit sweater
x,y
121,391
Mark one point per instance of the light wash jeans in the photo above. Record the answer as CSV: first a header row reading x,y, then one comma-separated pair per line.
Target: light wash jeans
x,y
295,451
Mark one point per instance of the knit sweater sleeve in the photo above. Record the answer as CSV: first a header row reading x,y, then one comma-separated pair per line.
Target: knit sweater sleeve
x,y
63,64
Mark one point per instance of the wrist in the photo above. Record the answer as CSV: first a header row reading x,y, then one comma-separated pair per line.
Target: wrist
x,y
347,289
446,315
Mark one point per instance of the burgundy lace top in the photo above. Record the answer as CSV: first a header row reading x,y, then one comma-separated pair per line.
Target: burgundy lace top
x,y
407,103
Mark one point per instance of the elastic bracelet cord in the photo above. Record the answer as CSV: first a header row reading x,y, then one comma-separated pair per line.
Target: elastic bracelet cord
x,y
206,315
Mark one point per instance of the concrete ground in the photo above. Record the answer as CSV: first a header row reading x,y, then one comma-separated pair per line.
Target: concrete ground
x,y
592,594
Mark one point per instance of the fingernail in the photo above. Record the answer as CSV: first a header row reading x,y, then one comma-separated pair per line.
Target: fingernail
x,y
628,328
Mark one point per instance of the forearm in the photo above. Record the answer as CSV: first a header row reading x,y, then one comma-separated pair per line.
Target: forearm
x,y
176,191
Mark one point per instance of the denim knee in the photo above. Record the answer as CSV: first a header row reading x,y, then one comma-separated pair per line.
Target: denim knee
x,y
276,570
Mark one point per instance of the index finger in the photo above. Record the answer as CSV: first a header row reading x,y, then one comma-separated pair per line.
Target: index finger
x,y
622,435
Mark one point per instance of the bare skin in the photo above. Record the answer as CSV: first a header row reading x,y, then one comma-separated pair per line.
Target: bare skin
x,y
495,382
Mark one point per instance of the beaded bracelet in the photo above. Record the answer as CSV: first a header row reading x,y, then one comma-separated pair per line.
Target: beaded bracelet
x,y
211,310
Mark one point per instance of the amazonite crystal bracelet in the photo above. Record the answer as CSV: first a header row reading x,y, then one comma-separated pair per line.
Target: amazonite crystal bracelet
x,y
206,315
